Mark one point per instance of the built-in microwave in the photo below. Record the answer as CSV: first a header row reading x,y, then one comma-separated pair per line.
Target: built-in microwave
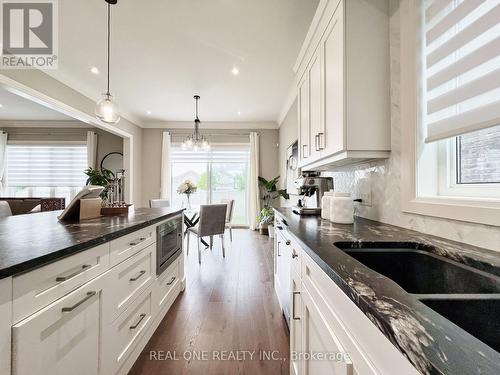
x,y
168,243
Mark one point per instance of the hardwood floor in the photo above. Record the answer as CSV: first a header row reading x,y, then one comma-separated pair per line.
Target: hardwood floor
x,y
229,308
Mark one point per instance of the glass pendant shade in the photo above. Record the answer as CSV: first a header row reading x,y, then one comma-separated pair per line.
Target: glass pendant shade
x,y
107,110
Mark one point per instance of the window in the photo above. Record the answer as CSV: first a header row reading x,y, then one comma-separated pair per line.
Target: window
x,y
220,173
461,96
46,170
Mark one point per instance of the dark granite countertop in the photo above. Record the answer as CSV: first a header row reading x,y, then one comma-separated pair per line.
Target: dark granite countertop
x,y
31,241
431,343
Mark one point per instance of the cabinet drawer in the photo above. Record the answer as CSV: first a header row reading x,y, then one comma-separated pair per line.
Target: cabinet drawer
x,y
128,280
62,338
121,337
166,286
126,246
39,288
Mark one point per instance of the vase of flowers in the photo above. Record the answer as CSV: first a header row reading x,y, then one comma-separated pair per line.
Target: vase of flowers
x,y
187,188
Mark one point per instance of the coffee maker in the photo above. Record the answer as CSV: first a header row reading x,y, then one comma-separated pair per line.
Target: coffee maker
x,y
311,187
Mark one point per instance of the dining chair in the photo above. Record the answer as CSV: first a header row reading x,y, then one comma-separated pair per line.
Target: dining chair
x,y
5,210
212,222
229,216
155,203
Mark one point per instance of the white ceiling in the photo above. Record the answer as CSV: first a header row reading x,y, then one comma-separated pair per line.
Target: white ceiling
x,y
17,108
165,51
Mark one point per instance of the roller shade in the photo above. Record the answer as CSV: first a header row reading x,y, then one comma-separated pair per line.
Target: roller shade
x,y
217,153
461,66
46,165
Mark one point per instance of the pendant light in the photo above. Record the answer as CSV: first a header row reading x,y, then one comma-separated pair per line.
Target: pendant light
x,y
107,108
196,141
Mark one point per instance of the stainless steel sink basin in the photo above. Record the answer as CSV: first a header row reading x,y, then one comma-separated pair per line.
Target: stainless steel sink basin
x,y
475,314
420,272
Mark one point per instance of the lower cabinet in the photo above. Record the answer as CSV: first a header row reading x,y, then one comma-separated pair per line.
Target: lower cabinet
x,y
296,324
62,338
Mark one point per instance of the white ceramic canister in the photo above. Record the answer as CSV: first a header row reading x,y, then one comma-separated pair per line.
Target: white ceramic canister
x,y
326,205
341,208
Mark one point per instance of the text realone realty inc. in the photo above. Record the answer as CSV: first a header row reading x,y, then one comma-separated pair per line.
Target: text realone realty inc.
x,y
216,355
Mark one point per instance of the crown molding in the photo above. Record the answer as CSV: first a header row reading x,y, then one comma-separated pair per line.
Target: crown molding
x,y
211,125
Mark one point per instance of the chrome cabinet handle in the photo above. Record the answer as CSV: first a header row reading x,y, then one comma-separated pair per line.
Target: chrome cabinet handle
x,y
316,142
304,151
321,144
137,242
278,248
87,297
138,276
288,242
279,227
293,306
60,279
171,281
142,316
294,255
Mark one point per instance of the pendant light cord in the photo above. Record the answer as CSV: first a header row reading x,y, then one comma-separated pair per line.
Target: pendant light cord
x,y
109,37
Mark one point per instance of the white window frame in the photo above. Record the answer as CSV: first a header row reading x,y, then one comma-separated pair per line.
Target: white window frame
x,y
457,207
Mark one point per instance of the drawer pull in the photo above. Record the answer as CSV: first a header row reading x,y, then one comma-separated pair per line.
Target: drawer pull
x,y
60,279
142,316
279,227
138,276
137,242
288,242
87,297
293,305
294,255
171,281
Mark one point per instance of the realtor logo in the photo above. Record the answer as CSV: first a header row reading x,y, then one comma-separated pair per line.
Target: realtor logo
x,y
29,34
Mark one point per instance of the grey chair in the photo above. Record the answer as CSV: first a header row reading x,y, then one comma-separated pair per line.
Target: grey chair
x,y
229,216
212,222
155,203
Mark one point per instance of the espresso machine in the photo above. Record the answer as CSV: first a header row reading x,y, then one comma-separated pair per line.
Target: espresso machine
x,y
311,187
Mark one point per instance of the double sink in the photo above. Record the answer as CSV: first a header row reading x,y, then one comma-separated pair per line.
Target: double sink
x,y
468,297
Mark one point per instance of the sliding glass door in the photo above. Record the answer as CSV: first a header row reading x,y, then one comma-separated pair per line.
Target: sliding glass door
x,y
220,174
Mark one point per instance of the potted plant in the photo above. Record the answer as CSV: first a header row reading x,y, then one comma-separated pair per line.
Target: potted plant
x,y
188,188
270,193
101,177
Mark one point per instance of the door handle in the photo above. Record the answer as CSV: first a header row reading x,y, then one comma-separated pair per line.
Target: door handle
x,y
60,279
138,276
142,316
321,144
87,297
137,242
293,306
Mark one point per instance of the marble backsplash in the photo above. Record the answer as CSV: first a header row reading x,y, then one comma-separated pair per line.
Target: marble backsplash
x,y
385,176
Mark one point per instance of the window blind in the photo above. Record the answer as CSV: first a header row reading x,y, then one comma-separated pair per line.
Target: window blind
x,y
461,66
46,165
217,153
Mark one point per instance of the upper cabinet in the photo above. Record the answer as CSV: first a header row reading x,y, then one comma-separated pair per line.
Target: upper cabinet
x,y
343,85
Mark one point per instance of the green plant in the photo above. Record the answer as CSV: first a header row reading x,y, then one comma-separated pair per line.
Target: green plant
x,y
100,177
270,193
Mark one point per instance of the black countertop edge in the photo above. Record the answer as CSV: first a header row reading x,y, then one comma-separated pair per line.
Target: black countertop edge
x,y
433,344
37,261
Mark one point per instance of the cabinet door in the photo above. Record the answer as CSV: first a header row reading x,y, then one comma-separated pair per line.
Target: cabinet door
x,y
315,105
62,338
304,120
332,138
318,338
295,324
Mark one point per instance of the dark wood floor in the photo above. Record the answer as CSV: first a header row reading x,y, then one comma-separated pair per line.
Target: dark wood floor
x,y
228,305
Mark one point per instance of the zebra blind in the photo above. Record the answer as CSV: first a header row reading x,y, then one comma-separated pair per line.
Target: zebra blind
x,y
46,165
217,153
461,66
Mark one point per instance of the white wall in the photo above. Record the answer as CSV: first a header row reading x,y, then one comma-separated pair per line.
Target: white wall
x,y
39,86
385,176
151,159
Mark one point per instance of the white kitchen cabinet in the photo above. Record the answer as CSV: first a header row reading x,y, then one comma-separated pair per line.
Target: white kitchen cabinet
x,y
282,275
62,338
5,324
344,67
296,323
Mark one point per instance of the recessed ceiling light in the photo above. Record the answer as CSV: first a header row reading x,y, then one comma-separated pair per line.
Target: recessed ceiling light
x,y
94,70
1,105
148,112
239,113
235,71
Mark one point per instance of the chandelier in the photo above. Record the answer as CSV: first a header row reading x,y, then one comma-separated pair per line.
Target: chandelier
x,y
196,141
